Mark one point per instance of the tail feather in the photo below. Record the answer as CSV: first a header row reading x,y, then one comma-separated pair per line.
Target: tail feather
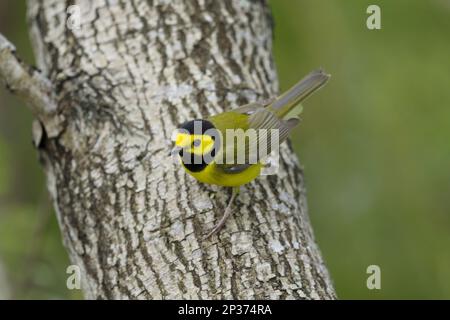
x,y
284,105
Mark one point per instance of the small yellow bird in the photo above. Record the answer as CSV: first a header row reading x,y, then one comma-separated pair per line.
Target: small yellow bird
x,y
229,149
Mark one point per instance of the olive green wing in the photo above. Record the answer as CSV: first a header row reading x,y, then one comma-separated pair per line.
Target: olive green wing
x,y
271,133
263,131
227,123
270,123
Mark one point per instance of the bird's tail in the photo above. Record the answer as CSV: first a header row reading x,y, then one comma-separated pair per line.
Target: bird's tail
x,y
287,105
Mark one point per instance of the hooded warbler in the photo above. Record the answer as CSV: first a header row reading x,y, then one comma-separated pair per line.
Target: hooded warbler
x,y
229,149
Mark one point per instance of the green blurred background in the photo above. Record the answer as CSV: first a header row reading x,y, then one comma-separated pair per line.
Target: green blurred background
x,y
375,144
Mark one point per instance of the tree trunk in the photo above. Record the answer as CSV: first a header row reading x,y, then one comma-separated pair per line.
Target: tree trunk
x,y
131,219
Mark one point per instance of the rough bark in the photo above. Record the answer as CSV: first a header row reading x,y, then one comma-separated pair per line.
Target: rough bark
x,y
132,219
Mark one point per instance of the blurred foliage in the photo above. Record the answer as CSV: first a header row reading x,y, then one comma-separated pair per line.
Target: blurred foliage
x,y
374,143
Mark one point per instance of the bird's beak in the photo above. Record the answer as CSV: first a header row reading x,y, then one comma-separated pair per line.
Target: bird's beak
x,y
175,151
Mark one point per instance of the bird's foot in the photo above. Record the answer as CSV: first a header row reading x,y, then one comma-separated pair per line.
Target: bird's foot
x,y
266,102
225,216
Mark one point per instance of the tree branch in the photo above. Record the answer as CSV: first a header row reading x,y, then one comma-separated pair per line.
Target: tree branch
x,y
30,85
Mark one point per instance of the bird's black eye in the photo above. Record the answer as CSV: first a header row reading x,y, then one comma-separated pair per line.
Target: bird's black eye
x,y
196,143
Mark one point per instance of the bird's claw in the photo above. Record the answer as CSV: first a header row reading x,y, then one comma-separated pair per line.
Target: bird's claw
x,y
214,230
225,216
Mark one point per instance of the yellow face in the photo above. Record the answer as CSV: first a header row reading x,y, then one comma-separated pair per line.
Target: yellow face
x,y
198,144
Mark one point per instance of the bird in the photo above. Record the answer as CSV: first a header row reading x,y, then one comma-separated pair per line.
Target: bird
x,y
230,149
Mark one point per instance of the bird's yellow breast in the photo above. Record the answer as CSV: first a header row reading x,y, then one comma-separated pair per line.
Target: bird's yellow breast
x,y
213,174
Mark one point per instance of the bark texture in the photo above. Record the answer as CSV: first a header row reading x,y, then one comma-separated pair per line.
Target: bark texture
x,y
132,219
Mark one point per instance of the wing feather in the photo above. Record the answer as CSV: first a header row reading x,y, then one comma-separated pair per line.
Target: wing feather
x,y
262,120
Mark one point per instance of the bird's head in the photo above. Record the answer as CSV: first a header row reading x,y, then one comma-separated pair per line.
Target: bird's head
x,y
196,141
